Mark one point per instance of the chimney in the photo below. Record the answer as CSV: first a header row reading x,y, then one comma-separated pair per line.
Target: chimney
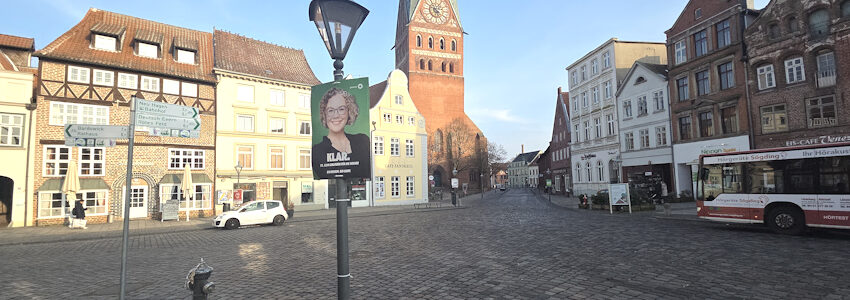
x,y
521,148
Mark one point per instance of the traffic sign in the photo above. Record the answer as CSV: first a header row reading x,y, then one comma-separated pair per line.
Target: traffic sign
x,y
163,121
454,183
175,132
96,131
430,177
89,142
159,108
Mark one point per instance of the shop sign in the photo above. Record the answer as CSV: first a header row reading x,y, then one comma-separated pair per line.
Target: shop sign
x,y
307,187
588,156
824,139
718,150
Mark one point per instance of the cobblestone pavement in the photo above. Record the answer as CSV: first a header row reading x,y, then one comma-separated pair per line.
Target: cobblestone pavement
x,y
511,245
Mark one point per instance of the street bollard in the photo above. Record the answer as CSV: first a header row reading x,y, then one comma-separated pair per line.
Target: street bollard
x,y
198,282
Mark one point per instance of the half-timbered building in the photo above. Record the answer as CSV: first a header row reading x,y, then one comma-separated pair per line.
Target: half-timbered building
x,y
88,75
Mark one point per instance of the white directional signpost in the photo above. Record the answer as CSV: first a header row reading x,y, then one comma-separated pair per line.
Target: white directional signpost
x,y
162,119
83,135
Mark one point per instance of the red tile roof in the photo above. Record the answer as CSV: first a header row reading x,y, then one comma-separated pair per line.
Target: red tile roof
x,y
376,92
245,55
16,42
74,45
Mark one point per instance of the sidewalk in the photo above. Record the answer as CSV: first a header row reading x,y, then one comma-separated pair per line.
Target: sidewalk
x,y
678,211
57,233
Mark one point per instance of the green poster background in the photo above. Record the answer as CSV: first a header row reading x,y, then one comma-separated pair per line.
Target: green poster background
x,y
359,88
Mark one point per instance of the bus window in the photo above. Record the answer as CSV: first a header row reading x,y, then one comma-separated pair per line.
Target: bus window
x,y
766,178
800,176
733,181
834,175
711,182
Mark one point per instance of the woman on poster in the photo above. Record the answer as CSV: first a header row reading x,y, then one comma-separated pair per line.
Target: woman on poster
x,y
339,154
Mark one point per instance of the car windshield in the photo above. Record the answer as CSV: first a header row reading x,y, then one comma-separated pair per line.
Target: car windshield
x,y
253,206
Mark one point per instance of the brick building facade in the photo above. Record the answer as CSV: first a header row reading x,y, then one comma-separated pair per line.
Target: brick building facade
x,y
429,50
797,50
707,82
88,76
559,146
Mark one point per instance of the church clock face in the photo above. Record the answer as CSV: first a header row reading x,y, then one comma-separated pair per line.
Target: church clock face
x,y
436,11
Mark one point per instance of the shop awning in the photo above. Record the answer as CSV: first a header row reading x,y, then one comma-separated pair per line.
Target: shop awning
x,y
55,184
178,178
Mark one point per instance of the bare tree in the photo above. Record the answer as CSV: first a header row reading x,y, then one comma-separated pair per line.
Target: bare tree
x,y
460,145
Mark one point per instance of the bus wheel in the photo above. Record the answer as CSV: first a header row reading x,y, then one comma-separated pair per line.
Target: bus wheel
x,y
786,220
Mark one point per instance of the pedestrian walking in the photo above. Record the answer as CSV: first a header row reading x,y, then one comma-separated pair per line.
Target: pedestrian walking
x,y
664,200
79,213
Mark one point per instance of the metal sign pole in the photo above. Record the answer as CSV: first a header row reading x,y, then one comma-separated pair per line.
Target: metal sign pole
x,y
343,274
127,195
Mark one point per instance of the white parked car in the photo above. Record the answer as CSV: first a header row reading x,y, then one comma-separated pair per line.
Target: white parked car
x,y
252,213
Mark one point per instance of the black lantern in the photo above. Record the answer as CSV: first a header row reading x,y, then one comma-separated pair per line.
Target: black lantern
x,y
337,21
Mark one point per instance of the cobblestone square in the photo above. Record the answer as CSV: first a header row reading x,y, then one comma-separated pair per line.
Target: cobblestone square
x,y
511,245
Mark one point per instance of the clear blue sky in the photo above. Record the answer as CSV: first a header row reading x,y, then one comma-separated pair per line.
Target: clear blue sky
x,y
515,54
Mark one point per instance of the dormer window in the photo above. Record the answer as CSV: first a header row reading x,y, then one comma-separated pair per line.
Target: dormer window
x,y
185,50
104,42
185,56
147,50
106,36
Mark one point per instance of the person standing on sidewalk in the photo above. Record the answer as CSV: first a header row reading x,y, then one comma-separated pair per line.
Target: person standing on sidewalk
x,y
79,213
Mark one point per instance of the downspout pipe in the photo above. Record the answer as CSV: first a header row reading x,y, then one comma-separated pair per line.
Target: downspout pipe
x,y
746,61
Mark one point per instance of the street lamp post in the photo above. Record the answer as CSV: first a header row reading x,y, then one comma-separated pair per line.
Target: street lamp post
x,y
337,22
238,168
455,200
548,188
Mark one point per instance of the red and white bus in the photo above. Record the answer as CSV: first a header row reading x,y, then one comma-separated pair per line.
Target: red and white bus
x,y
787,189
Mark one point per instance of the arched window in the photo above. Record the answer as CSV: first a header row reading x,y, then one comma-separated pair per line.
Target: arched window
x,y
615,171
845,9
773,31
430,42
589,172
442,44
601,170
819,23
454,44
578,172
418,40
422,64
430,66
438,140
792,24
443,68
451,68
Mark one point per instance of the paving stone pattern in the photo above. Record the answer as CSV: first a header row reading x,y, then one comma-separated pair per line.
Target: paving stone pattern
x,y
511,245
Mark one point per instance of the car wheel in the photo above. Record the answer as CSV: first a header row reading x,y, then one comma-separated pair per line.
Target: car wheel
x,y
231,224
278,220
786,220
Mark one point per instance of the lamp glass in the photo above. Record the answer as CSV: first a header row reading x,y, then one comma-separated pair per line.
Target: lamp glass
x,y
337,22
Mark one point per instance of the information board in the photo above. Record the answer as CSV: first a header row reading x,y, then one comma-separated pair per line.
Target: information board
x,y
170,210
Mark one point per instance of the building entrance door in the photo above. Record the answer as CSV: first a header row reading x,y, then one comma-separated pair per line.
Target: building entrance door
x,y
138,202
6,190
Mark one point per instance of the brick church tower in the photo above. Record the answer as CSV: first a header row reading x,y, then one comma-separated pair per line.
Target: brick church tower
x,y
429,49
